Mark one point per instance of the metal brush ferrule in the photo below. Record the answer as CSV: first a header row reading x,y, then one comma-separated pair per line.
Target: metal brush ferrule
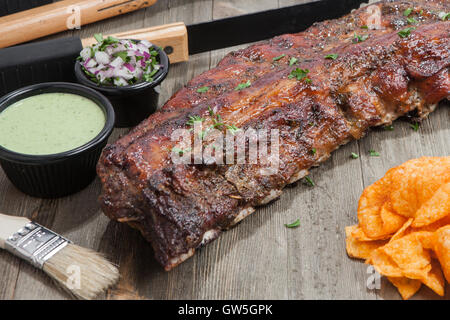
x,y
35,244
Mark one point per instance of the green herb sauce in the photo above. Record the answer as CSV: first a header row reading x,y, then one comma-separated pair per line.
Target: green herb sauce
x,y
50,123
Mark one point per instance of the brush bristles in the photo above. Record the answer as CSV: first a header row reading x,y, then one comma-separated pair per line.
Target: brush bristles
x,y
83,272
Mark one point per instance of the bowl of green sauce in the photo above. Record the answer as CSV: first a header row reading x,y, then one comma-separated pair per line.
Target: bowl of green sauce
x,y
51,137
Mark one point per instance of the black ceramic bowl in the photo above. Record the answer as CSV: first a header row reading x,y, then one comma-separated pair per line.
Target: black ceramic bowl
x,y
132,103
56,175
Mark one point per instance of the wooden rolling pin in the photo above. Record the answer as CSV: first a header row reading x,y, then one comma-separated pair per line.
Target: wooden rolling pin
x,y
56,17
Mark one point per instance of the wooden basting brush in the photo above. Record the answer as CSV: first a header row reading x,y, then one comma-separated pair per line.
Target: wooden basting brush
x,y
82,272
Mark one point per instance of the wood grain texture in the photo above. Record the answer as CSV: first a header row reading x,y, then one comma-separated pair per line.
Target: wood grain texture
x,y
259,258
52,18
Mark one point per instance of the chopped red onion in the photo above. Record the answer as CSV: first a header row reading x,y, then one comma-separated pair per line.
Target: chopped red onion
x,y
119,62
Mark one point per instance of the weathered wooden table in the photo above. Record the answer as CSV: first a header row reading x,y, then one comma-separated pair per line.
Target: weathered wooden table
x,y
259,259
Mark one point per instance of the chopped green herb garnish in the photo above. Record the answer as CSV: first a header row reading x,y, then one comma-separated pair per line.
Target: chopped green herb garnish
x,y
293,61
123,55
414,126
194,119
211,112
147,77
407,12
279,57
293,224
107,42
310,181
373,153
389,128
243,85
217,119
364,27
355,156
444,16
98,37
405,32
360,38
412,21
203,89
233,129
300,74
180,151
313,151
332,56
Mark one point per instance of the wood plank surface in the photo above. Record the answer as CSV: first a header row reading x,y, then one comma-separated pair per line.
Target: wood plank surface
x,y
260,258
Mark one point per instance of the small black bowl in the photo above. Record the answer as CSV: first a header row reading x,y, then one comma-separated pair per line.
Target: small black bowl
x,y
133,103
62,174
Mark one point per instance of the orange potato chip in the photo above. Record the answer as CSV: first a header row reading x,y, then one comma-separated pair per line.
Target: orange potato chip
x,y
436,208
406,287
441,242
426,239
360,249
435,225
404,226
384,264
402,231
358,234
374,214
434,279
415,182
408,252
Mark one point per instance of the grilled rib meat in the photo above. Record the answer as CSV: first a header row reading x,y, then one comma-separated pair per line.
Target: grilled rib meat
x,y
373,81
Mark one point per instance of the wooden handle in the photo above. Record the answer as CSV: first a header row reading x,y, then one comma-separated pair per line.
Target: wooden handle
x,y
59,16
172,38
10,225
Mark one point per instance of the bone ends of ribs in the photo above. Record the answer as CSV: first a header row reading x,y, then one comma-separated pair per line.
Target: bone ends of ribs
x,y
372,81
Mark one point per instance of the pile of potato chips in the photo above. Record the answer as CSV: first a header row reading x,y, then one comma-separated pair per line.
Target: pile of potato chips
x,y
404,226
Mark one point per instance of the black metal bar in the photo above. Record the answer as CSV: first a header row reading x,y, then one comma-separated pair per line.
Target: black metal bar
x,y
43,61
233,31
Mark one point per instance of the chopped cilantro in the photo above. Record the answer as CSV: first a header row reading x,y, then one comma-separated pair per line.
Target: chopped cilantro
x,y
194,119
360,38
294,224
373,153
243,85
412,21
203,89
444,16
309,181
414,126
405,32
332,56
407,12
98,37
279,57
300,74
123,55
180,151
